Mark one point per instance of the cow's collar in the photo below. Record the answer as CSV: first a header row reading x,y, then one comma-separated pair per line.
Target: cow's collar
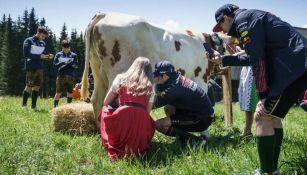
x,y
232,30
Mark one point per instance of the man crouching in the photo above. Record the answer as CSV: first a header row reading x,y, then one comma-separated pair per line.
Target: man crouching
x,y
187,106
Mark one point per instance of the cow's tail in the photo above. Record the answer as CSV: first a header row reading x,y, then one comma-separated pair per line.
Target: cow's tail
x,y
88,38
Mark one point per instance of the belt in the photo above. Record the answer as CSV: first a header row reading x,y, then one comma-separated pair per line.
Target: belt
x,y
133,104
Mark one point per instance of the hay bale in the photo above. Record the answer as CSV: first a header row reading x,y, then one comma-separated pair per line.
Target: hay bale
x,y
74,118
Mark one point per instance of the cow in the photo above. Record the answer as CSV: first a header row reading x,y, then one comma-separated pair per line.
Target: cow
x,y
114,40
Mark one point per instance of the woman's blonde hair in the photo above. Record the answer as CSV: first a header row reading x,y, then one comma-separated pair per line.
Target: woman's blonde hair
x,y
138,78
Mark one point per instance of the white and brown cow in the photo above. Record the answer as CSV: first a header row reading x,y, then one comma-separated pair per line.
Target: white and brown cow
x,y
114,40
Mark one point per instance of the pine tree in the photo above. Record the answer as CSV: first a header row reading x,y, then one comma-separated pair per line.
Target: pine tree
x,y
19,64
3,68
25,22
42,22
4,57
81,57
48,88
33,25
13,66
64,34
74,40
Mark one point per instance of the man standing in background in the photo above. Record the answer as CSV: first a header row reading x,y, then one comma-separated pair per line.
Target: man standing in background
x,y
33,51
65,62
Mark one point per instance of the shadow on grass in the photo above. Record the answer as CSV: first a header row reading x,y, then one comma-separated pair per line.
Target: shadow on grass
x,y
162,153
232,139
296,151
42,111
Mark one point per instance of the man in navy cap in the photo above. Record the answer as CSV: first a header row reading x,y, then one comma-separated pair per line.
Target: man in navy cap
x,y
277,54
187,106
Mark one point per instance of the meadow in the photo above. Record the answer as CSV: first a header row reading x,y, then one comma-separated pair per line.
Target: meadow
x,y
28,145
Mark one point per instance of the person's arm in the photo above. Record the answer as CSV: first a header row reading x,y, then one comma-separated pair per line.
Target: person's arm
x,y
27,51
165,97
113,92
151,100
235,60
56,63
110,97
74,63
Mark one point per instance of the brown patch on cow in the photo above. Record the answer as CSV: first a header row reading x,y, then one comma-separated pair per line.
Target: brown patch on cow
x,y
177,45
96,34
116,53
190,33
182,72
102,49
196,71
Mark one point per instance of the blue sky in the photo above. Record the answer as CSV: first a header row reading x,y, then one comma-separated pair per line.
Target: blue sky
x,y
197,15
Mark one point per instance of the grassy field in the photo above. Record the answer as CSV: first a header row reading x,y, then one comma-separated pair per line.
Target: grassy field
x,y
29,146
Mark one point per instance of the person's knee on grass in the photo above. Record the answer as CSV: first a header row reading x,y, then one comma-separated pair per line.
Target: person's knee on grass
x,y
186,105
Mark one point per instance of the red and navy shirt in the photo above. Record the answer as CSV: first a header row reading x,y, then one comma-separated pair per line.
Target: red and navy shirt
x,y
276,52
184,94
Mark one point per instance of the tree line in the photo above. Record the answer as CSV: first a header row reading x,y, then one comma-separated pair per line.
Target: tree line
x,y
12,35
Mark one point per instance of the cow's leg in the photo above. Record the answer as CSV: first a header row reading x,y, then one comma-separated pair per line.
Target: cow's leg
x,y
100,88
97,99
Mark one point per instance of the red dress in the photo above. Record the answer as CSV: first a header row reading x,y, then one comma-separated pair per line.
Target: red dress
x,y
129,129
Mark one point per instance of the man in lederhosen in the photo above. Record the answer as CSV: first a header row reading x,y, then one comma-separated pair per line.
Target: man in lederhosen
x,y
33,51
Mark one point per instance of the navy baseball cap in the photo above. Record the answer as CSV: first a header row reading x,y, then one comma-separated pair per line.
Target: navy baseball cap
x,y
228,10
163,67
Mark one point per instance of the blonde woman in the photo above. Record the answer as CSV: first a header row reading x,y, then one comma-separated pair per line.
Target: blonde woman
x,y
128,130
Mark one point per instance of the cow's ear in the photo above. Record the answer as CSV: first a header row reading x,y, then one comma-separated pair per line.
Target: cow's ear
x,y
206,35
208,39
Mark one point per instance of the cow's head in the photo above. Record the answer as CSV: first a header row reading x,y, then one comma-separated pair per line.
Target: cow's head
x,y
216,41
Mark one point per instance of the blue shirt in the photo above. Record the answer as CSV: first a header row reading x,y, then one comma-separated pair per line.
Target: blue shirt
x,y
276,52
32,50
184,94
65,69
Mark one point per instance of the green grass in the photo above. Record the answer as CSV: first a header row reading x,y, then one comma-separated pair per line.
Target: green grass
x,y
29,146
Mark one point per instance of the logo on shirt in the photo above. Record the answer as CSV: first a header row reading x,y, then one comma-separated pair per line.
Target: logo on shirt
x,y
188,83
243,34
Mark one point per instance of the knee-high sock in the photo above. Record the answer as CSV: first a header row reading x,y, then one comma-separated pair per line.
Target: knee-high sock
x,y
25,96
34,98
279,134
55,103
69,99
265,146
182,134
